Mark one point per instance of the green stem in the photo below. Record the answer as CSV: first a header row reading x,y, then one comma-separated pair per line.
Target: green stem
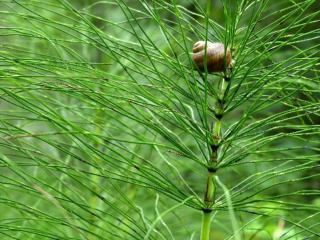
x,y
206,223
210,190
209,195
209,198
217,134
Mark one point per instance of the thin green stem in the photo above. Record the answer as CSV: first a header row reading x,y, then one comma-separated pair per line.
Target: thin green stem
x,y
206,223
210,190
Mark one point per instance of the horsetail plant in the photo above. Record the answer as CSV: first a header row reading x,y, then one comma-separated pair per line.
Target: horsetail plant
x,y
131,119
213,57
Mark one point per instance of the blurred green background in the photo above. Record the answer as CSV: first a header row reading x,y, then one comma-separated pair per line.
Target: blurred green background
x,y
82,156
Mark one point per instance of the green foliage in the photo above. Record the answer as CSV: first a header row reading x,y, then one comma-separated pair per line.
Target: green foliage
x,y
106,127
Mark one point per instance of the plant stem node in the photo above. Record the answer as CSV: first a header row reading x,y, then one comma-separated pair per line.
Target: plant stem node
x,y
214,147
207,210
227,79
218,116
212,170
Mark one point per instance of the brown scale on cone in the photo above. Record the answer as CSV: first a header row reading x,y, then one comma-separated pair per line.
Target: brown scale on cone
x,y
215,56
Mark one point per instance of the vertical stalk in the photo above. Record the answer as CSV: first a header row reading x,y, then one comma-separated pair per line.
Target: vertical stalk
x,y
209,196
206,223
